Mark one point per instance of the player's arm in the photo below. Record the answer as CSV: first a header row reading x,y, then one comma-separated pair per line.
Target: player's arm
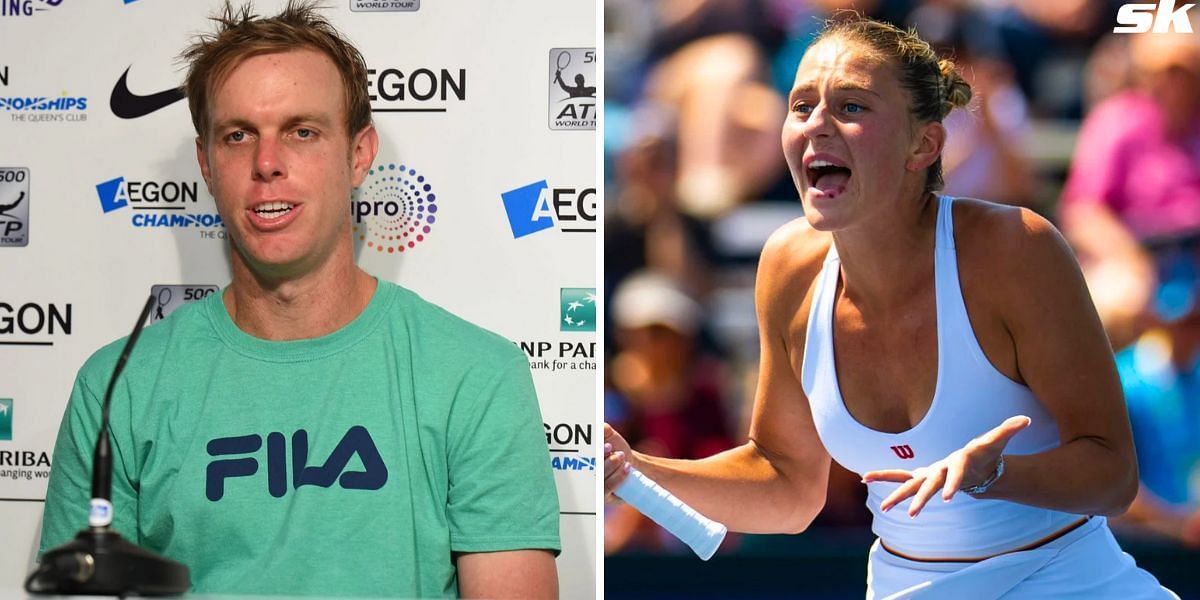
x,y
1064,357
511,574
776,482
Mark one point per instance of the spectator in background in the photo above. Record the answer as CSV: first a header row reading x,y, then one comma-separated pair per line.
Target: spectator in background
x,y
663,392
983,156
1136,177
711,69
1131,208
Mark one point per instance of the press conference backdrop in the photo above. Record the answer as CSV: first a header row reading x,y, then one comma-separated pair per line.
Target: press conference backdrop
x,y
482,199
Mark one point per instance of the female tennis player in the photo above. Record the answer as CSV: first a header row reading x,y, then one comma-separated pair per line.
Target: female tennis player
x,y
945,349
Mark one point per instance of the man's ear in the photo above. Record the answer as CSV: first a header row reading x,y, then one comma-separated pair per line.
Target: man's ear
x,y
202,158
927,146
365,146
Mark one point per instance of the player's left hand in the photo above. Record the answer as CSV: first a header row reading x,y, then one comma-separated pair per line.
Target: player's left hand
x,y
965,467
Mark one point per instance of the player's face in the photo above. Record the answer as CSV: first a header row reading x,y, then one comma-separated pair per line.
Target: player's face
x,y
848,135
280,163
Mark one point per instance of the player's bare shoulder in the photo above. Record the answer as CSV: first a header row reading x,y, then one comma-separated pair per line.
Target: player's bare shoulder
x,y
1008,250
790,262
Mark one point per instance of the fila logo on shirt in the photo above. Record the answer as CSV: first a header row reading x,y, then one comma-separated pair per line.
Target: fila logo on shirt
x,y
905,452
356,441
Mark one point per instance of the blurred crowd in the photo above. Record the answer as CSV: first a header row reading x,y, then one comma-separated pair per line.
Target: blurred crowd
x,y
1099,132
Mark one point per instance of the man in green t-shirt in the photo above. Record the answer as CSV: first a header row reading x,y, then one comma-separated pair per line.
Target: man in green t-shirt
x,y
330,434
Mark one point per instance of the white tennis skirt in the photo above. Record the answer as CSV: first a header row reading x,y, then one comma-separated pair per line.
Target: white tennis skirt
x,y
1084,563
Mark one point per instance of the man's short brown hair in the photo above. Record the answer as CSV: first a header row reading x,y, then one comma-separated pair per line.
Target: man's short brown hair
x,y
242,34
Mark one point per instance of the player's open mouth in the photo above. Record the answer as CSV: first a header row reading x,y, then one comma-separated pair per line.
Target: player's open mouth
x,y
273,210
828,177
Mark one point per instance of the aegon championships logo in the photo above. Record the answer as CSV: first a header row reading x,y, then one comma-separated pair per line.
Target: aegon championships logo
x,y
536,207
394,209
45,109
567,442
26,8
572,88
577,309
14,206
160,204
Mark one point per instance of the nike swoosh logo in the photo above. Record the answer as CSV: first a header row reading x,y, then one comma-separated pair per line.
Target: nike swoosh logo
x,y
127,105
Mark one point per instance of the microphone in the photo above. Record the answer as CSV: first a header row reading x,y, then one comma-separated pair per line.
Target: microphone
x,y
98,561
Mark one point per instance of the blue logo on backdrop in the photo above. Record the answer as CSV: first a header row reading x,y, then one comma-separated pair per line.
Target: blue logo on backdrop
x,y
168,199
356,441
25,8
537,206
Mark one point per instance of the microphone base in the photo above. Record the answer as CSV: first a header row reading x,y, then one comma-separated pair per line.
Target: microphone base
x,y
101,562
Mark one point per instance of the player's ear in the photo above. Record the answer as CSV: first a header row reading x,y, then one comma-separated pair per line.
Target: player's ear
x,y
364,147
202,158
927,146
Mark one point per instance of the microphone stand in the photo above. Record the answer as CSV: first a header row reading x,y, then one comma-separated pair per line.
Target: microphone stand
x,y
98,561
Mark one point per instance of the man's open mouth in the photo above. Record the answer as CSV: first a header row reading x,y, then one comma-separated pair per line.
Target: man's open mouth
x,y
272,210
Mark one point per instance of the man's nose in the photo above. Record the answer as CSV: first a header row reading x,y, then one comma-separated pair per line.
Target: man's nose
x,y
268,160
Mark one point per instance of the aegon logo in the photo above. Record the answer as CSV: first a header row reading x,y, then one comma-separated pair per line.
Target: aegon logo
x,y
1140,18
169,197
146,195
395,90
569,434
33,319
356,441
537,206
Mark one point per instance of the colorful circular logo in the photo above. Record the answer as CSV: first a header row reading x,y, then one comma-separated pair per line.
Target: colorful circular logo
x,y
394,209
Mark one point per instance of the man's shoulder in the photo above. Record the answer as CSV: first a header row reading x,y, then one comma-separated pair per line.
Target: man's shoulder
x,y
448,335
153,346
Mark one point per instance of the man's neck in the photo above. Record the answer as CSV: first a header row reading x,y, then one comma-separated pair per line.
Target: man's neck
x,y
304,307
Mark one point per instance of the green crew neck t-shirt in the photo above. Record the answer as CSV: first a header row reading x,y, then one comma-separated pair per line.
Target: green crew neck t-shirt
x,y
357,463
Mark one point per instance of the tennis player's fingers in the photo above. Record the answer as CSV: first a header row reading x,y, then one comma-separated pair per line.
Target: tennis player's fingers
x,y
934,478
892,475
1005,431
905,491
612,436
955,470
616,469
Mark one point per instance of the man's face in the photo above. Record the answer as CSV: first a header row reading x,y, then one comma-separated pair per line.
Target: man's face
x,y
280,163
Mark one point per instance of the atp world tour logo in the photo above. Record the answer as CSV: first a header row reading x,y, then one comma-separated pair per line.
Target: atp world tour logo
x,y
14,206
6,419
572,88
577,309
167,298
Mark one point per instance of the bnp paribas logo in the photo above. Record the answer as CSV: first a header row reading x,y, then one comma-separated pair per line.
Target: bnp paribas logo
x,y
6,415
577,309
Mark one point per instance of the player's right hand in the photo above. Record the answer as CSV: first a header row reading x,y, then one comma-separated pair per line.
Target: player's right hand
x,y
616,461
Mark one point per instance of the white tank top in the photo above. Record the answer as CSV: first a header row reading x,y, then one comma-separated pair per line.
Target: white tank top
x,y
970,398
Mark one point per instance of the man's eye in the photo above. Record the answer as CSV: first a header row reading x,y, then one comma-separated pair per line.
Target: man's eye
x,y
236,136
802,108
304,134
853,108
